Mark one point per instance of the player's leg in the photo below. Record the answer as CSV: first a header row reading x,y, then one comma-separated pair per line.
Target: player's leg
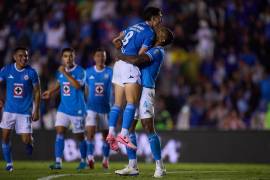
x,y
6,149
103,126
132,168
133,93
90,124
154,141
27,139
7,124
114,115
78,128
61,124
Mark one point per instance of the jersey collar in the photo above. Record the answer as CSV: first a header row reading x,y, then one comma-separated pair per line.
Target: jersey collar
x,y
99,70
72,69
18,69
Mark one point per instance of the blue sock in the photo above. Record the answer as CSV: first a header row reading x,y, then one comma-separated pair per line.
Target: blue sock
x,y
90,147
128,116
155,145
29,149
59,146
130,152
7,152
114,115
83,149
105,149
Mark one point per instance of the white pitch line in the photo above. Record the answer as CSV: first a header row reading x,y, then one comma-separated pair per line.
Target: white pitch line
x,y
63,175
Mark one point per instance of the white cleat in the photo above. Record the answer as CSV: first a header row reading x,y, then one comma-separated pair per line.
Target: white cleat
x,y
128,171
159,173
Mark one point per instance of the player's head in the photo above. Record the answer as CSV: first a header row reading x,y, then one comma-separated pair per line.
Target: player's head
x,y
21,56
100,56
164,36
68,57
153,16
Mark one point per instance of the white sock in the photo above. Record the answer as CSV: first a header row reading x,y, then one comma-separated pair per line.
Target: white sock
x,y
58,160
132,163
10,164
112,130
82,160
159,164
124,132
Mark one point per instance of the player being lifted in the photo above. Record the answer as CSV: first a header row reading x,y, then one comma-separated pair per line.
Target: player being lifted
x,y
22,87
150,63
70,82
98,93
126,77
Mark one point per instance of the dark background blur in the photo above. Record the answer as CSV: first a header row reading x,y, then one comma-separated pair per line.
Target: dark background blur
x,y
216,73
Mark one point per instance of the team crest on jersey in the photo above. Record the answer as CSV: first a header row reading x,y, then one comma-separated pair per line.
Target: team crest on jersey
x,y
106,76
18,90
99,89
26,77
66,88
91,77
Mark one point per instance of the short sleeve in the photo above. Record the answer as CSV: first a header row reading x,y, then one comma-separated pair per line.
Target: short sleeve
x,y
3,73
81,77
154,54
35,78
57,76
87,74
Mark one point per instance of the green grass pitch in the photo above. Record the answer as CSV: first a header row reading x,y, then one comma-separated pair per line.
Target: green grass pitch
x,y
183,171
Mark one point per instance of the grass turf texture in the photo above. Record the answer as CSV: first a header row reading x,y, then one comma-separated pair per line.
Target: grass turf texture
x,y
190,171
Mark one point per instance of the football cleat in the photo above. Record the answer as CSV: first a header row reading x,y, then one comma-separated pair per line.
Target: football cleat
x,y
55,166
128,171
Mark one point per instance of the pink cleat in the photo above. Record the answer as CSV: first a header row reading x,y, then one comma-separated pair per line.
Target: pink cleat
x,y
126,141
112,142
91,163
105,164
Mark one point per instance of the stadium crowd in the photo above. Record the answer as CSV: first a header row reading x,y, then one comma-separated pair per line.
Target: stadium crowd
x,y
216,73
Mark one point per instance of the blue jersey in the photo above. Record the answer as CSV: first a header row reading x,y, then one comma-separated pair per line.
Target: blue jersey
x,y
99,85
72,99
19,88
150,72
137,36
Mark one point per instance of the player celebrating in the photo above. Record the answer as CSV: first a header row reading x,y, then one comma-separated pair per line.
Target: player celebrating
x,y
70,82
126,77
151,61
98,93
22,84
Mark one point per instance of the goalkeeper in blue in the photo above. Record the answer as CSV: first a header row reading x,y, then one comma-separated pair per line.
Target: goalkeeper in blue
x,y
149,63
71,110
22,88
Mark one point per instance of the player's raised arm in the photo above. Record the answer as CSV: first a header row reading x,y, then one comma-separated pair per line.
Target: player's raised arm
x,y
139,60
117,42
71,79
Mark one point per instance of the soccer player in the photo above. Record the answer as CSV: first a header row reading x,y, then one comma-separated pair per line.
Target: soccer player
x,y
150,63
98,93
126,77
70,82
22,88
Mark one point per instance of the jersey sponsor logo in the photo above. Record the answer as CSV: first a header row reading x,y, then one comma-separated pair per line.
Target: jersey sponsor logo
x,y
10,77
99,89
18,90
66,88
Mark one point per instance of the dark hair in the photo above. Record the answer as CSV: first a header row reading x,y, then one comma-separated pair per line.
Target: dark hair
x,y
67,49
20,48
149,12
168,36
100,50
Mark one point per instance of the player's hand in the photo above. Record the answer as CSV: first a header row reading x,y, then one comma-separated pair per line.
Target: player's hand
x,y
35,116
62,69
46,95
117,44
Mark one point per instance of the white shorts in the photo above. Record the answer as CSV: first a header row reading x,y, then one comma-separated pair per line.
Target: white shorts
x,y
125,73
65,120
146,107
97,119
21,122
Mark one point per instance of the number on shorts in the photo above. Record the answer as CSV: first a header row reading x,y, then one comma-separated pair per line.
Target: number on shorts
x,y
127,37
